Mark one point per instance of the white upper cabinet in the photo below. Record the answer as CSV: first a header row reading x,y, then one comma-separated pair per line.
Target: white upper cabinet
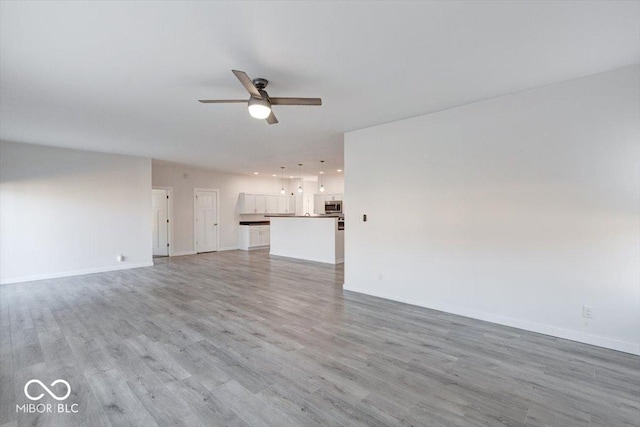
x,y
283,204
266,204
261,203
319,199
272,204
247,203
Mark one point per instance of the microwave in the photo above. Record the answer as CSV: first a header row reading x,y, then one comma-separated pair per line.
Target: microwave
x,y
333,206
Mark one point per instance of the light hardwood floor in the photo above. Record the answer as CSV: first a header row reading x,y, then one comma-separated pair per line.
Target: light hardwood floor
x,y
239,338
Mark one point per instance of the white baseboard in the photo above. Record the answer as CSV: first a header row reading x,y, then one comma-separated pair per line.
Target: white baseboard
x,y
183,253
74,273
624,346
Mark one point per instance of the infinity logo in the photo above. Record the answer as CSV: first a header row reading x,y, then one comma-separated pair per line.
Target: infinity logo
x,y
52,394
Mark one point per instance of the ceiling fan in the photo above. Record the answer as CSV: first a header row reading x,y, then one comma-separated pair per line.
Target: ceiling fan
x,y
260,102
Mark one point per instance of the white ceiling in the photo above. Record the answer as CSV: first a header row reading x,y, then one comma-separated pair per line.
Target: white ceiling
x,y
124,77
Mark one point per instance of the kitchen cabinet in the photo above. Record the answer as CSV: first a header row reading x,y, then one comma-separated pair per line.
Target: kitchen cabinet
x,y
261,203
266,204
264,236
319,199
254,237
271,204
247,203
283,204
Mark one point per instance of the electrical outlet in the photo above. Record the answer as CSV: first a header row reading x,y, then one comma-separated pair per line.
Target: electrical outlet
x,y
587,311
380,276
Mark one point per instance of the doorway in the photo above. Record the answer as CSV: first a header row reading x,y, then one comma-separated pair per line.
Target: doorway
x,y
205,228
161,212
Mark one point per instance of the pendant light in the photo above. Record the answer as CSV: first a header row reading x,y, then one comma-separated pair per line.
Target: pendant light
x,y
321,172
282,179
300,173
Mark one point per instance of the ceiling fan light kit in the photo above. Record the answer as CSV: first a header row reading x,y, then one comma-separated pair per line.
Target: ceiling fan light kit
x,y
259,108
259,102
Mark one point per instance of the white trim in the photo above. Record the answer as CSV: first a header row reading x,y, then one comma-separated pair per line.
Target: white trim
x,y
195,190
183,253
169,214
253,248
74,273
624,346
230,248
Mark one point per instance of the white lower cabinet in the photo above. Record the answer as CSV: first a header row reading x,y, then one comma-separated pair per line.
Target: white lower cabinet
x,y
264,236
254,237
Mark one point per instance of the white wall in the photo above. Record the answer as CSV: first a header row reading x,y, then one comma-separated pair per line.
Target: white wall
x,y
517,210
66,212
229,186
333,183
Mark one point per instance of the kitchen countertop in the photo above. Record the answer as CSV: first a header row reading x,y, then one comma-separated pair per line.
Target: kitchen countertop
x,y
254,222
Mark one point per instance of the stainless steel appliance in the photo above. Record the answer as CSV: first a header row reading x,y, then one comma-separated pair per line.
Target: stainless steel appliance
x,y
333,206
341,223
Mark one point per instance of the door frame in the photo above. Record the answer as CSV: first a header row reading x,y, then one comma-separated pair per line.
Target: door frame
x,y
169,215
195,215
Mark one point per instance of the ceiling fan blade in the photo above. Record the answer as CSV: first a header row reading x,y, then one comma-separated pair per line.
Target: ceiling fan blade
x,y
220,101
272,119
295,101
247,83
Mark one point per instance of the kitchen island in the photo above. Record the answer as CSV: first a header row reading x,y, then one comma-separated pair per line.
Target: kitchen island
x,y
313,238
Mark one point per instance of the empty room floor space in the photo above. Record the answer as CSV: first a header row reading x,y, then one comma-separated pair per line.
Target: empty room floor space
x,y
242,338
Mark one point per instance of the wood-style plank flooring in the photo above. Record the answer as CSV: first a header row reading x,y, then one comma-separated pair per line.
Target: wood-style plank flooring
x,y
239,338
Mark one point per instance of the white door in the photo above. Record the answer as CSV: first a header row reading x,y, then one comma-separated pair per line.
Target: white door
x,y
160,214
206,221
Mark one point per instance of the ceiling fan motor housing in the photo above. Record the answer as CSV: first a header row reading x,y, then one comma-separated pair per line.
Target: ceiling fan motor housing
x,y
260,83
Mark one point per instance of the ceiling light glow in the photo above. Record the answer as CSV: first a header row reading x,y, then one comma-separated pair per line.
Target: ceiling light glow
x,y
259,108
